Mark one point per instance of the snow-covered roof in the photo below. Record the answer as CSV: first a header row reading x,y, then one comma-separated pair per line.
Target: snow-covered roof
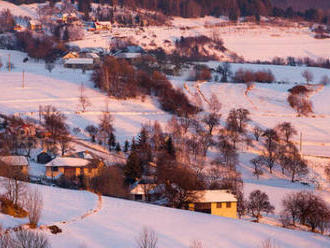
x,y
140,189
68,162
80,61
93,55
14,160
129,55
215,196
35,22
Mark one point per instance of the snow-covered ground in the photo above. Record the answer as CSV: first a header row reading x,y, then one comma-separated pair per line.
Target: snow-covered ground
x,y
60,88
87,221
251,41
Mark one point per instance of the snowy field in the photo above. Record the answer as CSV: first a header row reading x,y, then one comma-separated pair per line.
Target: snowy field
x,y
250,41
61,88
91,223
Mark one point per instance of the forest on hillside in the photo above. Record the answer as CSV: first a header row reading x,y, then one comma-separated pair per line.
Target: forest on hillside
x,y
302,5
317,11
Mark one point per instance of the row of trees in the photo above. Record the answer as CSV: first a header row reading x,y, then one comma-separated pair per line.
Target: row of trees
x,y
279,149
306,208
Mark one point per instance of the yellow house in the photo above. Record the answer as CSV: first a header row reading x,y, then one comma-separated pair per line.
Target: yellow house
x,y
215,202
72,167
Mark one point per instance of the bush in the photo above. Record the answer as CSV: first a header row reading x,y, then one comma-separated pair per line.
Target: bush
x,y
120,79
248,76
307,208
54,229
298,100
9,208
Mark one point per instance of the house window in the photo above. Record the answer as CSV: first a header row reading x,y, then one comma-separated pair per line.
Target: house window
x,y
54,168
219,204
228,204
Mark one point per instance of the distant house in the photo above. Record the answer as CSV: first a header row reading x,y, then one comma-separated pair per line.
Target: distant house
x,y
142,190
19,162
35,25
128,56
80,63
72,167
215,202
102,25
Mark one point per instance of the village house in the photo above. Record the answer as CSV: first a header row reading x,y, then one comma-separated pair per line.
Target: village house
x,y
80,63
215,202
18,162
142,190
35,25
102,25
72,167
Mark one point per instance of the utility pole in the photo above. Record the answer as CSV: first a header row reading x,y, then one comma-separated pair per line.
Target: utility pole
x,y
23,80
9,65
301,143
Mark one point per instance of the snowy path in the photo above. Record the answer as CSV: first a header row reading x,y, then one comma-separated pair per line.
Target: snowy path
x,y
81,217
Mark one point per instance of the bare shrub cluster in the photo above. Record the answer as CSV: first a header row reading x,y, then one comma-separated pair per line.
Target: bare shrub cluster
x,y
119,79
298,100
248,76
306,208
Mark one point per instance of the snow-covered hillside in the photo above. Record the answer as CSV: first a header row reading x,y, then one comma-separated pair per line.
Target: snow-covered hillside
x,y
109,222
251,41
20,10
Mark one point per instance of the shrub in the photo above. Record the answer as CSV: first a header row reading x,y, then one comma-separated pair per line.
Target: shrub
x,y
121,80
54,229
9,208
248,76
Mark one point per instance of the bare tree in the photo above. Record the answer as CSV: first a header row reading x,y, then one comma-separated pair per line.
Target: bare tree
x,y
212,119
27,239
270,153
83,99
286,131
309,208
268,243
225,71
92,131
33,205
196,244
327,172
147,239
54,122
14,184
106,126
257,132
291,160
258,203
65,143
307,75
49,65
257,162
